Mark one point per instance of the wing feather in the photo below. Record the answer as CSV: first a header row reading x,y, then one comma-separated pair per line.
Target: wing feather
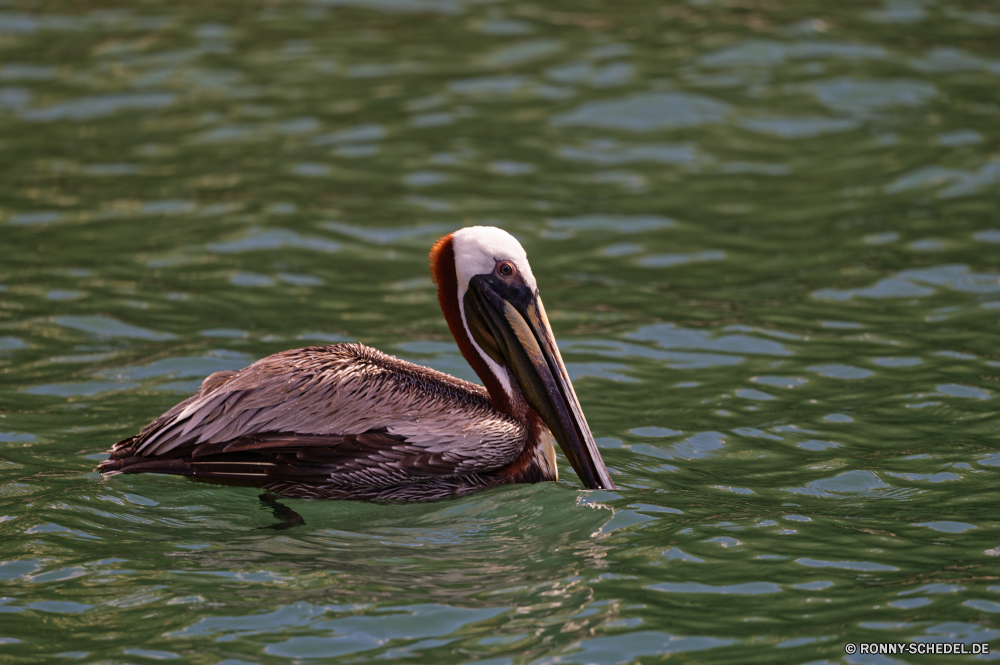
x,y
341,415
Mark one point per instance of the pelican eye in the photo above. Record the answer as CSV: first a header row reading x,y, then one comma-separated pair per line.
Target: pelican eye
x,y
506,268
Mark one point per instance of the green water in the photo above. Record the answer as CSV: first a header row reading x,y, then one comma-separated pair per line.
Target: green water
x,y
766,234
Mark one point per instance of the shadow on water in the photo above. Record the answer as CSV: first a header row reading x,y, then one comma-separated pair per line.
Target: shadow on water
x,y
287,518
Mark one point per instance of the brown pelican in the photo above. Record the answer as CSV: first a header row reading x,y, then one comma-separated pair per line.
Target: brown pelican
x,y
349,422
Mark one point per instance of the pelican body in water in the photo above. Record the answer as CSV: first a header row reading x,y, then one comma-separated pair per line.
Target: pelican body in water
x,y
349,422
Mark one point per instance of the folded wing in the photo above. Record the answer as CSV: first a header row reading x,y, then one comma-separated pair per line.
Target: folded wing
x,y
344,415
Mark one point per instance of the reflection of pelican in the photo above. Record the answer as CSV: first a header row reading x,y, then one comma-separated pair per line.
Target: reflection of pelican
x,y
349,422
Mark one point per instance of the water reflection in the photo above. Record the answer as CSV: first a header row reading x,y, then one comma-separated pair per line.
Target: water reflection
x,y
643,112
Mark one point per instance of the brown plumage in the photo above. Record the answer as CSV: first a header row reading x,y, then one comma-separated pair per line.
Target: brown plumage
x,y
349,422
304,423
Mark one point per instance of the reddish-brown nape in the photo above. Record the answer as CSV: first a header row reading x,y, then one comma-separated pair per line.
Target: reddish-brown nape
x,y
442,261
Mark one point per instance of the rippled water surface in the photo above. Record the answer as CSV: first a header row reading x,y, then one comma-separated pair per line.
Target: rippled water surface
x,y
767,236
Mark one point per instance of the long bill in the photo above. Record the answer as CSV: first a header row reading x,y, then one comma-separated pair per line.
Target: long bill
x,y
509,324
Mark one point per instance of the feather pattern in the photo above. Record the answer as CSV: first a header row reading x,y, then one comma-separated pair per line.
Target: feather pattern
x,y
340,421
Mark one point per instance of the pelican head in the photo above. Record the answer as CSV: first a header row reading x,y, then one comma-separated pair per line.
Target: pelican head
x,y
490,300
